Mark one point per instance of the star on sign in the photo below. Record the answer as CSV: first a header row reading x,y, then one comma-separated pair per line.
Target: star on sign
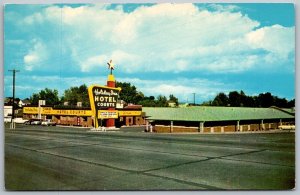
x,y
110,65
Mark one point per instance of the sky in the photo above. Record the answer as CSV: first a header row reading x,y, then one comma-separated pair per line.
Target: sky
x,y
162,49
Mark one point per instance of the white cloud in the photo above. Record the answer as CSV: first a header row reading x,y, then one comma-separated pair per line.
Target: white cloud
x,y
182,88
93,63
163,37
276,39
37,54
31,58
34,19
144,39
123,61
224,7
127,62
233,63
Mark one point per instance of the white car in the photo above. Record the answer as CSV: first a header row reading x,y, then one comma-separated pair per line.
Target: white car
x,y
7,119
36,122
20,120
48,123
287,127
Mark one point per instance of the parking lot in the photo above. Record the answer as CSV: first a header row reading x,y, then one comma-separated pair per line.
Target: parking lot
x,y
61,158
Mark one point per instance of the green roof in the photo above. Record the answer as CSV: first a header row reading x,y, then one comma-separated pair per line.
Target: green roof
x,y
289,110
211,113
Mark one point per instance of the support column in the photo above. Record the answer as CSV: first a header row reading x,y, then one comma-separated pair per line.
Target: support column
x,y
201,127
262,125
237,125
280,122
171,126
147,125
111,83
40,103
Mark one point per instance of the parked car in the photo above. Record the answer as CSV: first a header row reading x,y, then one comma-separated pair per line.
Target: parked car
x,y
20,120
36,122
28,122
48,122
33,121
287,127
7,119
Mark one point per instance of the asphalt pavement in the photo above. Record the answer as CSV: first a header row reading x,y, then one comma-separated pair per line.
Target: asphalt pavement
x,y
60,158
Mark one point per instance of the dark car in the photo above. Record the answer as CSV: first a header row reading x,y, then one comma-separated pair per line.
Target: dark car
x,y
27,122
33,122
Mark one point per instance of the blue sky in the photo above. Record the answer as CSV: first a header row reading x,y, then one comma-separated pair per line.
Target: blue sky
x,y
165,49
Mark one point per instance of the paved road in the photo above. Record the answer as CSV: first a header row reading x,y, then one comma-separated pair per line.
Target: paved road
x,y
56,158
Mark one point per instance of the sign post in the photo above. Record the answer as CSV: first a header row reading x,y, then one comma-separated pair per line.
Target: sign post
x,y
41,103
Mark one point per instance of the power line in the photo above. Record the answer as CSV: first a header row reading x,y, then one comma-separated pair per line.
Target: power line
x,y
13,104
194,98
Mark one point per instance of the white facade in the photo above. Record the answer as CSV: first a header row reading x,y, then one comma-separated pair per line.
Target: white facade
x,y
7,111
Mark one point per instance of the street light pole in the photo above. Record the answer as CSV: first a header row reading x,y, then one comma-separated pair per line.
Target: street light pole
x,y
194,99
14,83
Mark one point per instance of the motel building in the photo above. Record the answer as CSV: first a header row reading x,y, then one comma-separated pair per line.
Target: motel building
x,y
129,115
201,119
210,119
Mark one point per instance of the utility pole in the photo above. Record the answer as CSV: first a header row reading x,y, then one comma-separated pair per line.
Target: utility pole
x,y
13,105
194,99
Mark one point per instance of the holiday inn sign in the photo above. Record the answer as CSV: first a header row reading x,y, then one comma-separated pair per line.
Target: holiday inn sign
x,y
102,97
103,101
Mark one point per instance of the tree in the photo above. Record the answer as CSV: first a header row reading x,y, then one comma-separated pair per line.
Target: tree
x,y
147,102
34,98
77,94
129,93
11,103
151,97
51,97
291,103
162,101
207,103
280,102
266,99
234,99
173,99
242,100
139,96
220,100
249,102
